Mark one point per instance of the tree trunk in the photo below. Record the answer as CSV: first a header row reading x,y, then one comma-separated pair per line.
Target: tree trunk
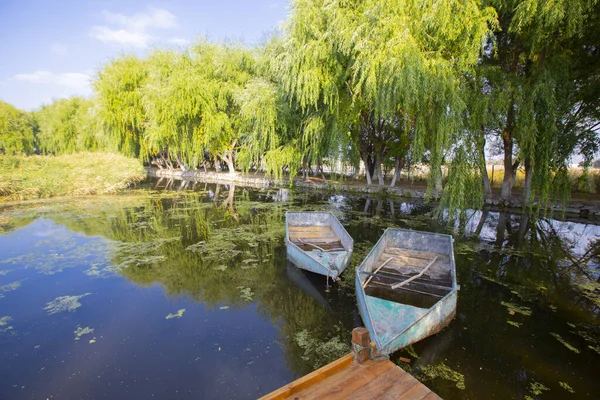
x,y
367,173
230,165
487,187
528,181
397,169
378,169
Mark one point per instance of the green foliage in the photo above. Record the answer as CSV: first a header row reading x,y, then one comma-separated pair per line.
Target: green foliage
x,y
120,108
387,78
16,131
391,83
67,126
535,84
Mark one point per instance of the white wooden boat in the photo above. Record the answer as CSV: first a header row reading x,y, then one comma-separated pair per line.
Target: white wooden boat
x,y
317,242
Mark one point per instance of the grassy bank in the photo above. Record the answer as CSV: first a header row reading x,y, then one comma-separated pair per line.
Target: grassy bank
x,y
36,177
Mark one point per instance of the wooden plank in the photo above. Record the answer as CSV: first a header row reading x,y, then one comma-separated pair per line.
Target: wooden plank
x,y
342,387
309,227
432,396
354,376
316,239
423,255
311,235
310,379
380,385
400,388
381,389
417,392
314,229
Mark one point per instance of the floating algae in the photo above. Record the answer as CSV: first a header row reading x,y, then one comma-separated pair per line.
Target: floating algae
x,y
319,353
443,371
79,332
64,303
92,341
67,254
178,314
596,349
537,388
564,342
513,323
4,328
411,351
10,287
566,386
513,308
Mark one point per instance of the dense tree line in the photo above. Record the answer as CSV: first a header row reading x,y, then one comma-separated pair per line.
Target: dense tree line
x,y
389,83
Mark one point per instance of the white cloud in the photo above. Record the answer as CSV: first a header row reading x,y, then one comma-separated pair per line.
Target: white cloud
x,y
59,49
121,36
133,30
70,79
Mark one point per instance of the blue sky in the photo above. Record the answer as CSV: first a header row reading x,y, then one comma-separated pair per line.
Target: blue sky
x,y
53,48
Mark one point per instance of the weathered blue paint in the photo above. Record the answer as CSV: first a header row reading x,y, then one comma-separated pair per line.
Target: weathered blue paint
x,y
330,263
393,325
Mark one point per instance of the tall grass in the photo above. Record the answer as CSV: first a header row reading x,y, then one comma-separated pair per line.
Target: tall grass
x,y
35,177
581,182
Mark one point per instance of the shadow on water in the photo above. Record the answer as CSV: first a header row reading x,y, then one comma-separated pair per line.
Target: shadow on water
x,y
190,295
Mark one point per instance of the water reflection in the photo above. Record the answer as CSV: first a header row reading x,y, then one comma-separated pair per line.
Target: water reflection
x,y
217,251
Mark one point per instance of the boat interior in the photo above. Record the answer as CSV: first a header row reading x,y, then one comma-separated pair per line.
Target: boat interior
x,y
315,238
412,277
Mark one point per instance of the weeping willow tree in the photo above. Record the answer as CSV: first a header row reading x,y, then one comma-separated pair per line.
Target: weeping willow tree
x,y
177,99
69,125
17,130
539,71
120,107
227,68
383,73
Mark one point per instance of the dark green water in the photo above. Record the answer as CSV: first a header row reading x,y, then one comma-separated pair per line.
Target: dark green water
x,y
187,294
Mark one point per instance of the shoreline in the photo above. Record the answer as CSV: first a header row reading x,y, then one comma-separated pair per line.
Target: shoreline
x,y
582,209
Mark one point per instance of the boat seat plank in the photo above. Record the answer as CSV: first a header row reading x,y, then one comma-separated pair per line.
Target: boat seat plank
x,y
309,228
425,255
439,270
320,230
314,240
310,235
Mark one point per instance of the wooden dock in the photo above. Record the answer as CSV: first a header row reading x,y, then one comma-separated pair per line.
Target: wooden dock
x,y
356,376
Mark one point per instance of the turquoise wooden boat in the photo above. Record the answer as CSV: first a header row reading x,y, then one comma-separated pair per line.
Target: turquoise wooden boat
x,y
406,287
317,242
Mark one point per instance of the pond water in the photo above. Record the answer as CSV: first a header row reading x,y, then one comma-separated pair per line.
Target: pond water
x,y
186,293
